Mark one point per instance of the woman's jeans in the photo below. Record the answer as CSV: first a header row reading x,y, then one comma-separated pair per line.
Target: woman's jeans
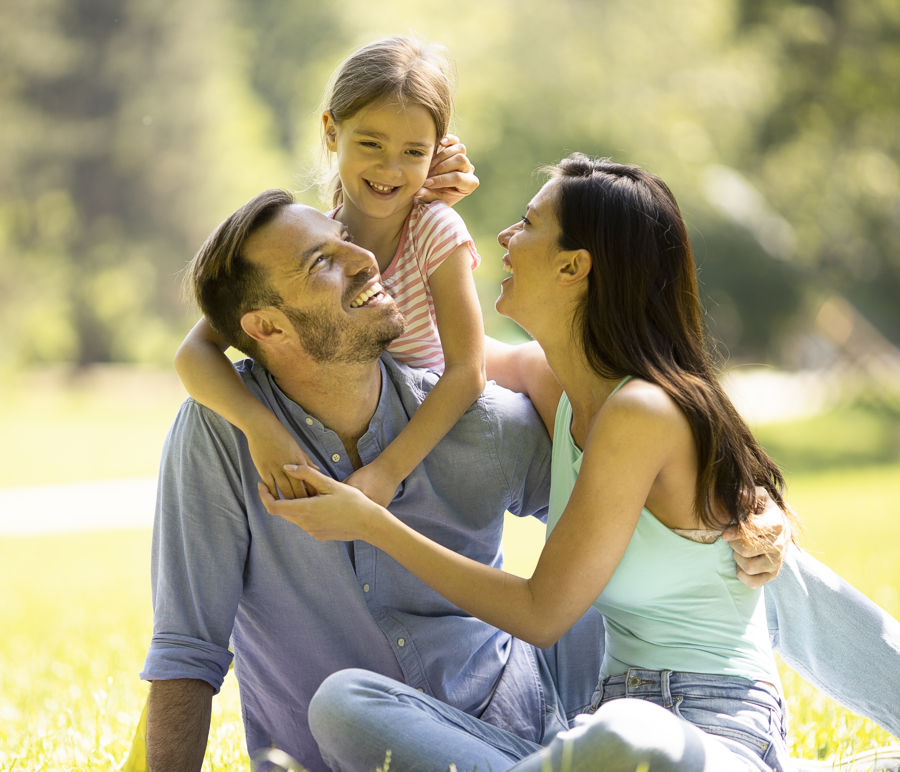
x,y
642,717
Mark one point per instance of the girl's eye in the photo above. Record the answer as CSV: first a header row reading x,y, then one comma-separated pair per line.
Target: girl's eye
x,y
368,143
417,153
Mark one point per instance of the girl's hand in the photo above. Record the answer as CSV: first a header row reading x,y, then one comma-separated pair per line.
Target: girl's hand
x,y
377,484
332,510
271,449
452,175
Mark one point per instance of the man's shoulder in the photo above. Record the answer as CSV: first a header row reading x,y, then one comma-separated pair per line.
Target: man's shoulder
x,y
495,405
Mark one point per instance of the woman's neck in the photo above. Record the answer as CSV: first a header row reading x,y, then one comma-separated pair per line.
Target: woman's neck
x,y
586,390
381,236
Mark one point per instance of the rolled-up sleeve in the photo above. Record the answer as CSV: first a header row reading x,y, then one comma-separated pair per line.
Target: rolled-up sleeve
x,y
199,552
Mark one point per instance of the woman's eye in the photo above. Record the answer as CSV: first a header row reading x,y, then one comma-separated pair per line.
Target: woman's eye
x,y
525,220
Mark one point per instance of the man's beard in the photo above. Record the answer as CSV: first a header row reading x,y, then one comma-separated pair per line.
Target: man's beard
x,y
330,338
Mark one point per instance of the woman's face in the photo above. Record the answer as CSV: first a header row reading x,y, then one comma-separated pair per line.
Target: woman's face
x,y
530,245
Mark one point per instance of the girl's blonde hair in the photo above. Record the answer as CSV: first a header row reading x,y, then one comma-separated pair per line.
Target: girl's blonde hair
x,y
399,68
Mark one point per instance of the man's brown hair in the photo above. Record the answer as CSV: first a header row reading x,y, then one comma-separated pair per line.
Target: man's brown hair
x,y
223,282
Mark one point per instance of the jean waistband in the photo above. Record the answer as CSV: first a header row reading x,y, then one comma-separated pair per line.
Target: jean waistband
x,y
668,684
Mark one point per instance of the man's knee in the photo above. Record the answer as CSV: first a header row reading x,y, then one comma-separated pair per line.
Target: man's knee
x,y
331,709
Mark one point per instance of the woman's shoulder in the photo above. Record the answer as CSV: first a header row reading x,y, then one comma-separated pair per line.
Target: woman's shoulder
x,y
642,406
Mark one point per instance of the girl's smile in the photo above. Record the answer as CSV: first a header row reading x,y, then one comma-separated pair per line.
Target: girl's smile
x,y
383,152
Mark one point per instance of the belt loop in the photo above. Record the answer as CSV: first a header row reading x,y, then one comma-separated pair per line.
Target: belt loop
x,y
665,689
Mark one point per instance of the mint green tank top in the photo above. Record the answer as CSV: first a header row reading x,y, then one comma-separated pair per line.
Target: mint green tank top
x,y
672,603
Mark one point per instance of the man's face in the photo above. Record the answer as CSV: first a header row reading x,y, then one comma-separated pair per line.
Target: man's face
x,y
330,287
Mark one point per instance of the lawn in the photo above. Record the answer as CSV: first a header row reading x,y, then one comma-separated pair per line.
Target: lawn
x,y
75,611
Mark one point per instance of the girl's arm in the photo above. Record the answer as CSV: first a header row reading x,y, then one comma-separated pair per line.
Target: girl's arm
x,y
627,447
209,378
459,323
523,367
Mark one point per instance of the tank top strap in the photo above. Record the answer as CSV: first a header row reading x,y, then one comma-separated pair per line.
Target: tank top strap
x,y
620,384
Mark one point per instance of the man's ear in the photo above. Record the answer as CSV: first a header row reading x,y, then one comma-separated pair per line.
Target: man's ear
x,y
263,325
329,128
574,265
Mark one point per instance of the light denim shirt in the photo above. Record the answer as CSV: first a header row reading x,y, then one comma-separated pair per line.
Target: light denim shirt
x,y
294,610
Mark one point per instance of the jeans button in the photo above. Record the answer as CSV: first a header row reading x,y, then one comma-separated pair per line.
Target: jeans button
x,y
634,681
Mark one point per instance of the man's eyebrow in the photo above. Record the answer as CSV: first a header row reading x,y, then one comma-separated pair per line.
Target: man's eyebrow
x,y
307,254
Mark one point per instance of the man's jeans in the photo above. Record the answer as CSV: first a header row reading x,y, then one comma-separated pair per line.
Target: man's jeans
x,y
826,630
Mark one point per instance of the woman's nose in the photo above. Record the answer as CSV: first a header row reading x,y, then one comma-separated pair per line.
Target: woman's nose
x,y
504,236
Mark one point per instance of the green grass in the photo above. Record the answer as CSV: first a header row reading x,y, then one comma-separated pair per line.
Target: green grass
x,y
75,609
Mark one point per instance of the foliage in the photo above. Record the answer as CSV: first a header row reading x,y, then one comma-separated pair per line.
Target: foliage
x,y
130,130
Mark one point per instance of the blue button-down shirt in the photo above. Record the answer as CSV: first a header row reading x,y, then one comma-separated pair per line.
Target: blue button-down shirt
x,y
294,610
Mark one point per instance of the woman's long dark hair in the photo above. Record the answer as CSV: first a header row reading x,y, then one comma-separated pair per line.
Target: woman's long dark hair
x,y
642,316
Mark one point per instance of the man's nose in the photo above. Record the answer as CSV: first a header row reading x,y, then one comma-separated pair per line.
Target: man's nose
x,y
357,259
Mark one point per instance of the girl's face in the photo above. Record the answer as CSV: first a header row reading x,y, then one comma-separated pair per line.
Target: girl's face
x,y
384,152
530,244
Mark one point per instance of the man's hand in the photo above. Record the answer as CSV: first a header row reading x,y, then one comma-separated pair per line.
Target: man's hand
x,y
451,177
760,561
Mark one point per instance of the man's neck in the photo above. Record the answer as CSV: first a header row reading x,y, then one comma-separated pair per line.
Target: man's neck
x,y
342,396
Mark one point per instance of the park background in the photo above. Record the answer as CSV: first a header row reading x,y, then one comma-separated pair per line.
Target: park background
x,y
130,128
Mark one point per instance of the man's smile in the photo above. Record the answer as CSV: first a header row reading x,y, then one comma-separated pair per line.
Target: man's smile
x,y
365,297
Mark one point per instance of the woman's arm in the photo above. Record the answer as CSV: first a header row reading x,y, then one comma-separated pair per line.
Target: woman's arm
x,y
209,378
458,318
626,449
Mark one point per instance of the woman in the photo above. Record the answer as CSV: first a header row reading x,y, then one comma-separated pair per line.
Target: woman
x,y
648,454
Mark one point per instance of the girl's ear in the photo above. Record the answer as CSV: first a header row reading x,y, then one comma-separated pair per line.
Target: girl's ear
x,y
574,266
263,325
329,130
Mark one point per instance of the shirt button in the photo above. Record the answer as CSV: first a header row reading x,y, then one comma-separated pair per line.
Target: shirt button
x,y
309,421
335,456
401,642
365,588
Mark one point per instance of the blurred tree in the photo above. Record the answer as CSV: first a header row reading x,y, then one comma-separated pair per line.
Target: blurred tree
x,y
828,144
119,141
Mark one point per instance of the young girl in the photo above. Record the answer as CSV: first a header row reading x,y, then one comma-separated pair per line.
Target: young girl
x,y
650,463
388,106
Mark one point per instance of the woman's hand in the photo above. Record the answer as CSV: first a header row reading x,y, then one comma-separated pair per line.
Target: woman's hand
x,y
271,449
759,562
331,511
451,176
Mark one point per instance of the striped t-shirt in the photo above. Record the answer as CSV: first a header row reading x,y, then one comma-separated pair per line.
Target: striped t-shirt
x,y
431,233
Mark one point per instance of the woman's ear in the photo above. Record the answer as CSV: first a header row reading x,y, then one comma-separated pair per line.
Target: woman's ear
x,y
263,325
329,128
574,265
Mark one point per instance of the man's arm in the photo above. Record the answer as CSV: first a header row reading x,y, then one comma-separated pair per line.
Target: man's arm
x,y
178,724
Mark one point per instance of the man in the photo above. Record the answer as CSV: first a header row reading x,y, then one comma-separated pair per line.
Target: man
x,y
278,280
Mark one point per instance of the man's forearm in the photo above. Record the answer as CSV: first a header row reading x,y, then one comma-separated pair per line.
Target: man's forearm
x,y
178,724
